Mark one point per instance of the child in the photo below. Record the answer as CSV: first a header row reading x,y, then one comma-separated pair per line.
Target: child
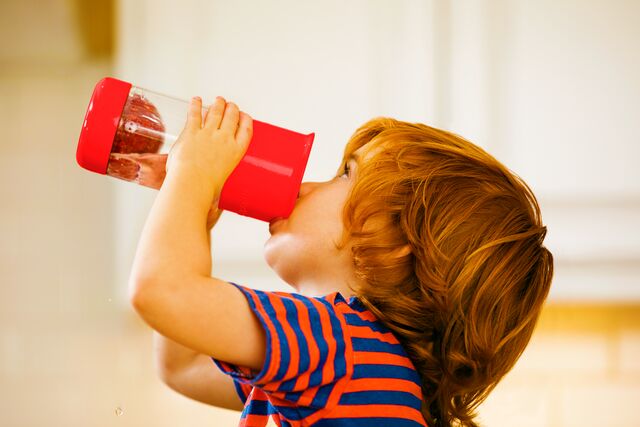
x,y
419,275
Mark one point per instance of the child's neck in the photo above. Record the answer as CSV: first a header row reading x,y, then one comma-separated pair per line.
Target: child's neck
x,y
316,290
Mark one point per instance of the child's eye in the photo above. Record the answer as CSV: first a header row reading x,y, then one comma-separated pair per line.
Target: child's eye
x,y
346,170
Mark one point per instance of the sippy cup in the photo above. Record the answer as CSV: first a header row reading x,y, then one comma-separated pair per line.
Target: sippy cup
x,y
128,131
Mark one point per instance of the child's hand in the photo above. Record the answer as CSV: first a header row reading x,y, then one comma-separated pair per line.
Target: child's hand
x,y
212,149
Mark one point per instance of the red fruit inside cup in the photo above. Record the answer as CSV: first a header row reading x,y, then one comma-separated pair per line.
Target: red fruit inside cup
x,y
140,129
134,154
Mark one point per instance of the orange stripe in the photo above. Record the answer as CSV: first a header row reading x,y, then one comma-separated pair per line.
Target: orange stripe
x,y
309,394
294,350
276,419
384,384
246,389
260,420
328,373
375,410
259,394
338,389
275,398
376,357
314,359
314,355
253,420
367,332
366,315
275,353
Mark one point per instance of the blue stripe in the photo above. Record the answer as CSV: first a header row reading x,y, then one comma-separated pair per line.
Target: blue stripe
x,y
315,378
289,412
285,356
258,407
322,395
386,397
374,344
293,319
355,304
339,361
385,371
305,411
366,422
295,413
293,396
254,308
355,320
241,395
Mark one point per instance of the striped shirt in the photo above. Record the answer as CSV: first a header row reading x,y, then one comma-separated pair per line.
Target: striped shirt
x,y
329,362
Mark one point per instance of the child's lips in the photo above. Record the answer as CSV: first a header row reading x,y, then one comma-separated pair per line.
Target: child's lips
x,y
273,222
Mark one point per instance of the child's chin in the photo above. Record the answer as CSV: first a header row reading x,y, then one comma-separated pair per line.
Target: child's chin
x,y
276,251
269,252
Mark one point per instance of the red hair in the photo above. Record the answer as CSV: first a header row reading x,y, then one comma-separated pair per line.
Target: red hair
x,y
465,297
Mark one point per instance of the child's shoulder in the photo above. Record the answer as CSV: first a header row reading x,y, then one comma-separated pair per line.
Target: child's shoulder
x,y
329,345
352,313
358,316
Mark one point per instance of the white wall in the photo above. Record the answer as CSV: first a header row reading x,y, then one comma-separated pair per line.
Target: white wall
x,y
522,79
309,67
547,87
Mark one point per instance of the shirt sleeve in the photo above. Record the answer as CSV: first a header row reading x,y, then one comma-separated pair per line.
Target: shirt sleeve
x,y
308,356
242,389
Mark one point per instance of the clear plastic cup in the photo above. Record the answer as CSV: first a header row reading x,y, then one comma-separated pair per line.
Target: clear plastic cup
x,y
128,131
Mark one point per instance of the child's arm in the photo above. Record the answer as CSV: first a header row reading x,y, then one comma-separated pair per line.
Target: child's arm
x,y
170,283
194,375
190,373
169,355
207,315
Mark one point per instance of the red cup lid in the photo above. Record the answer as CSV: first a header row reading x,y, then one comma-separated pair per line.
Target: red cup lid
x,y
101,123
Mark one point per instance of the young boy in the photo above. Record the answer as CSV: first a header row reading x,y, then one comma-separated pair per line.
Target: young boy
x,y
419,275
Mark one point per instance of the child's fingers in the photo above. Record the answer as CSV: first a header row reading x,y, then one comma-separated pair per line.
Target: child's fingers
x,y
245,129
194,118
230,118
214,114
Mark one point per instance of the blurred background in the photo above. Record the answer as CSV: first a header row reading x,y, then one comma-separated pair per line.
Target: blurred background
x,y
549,87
